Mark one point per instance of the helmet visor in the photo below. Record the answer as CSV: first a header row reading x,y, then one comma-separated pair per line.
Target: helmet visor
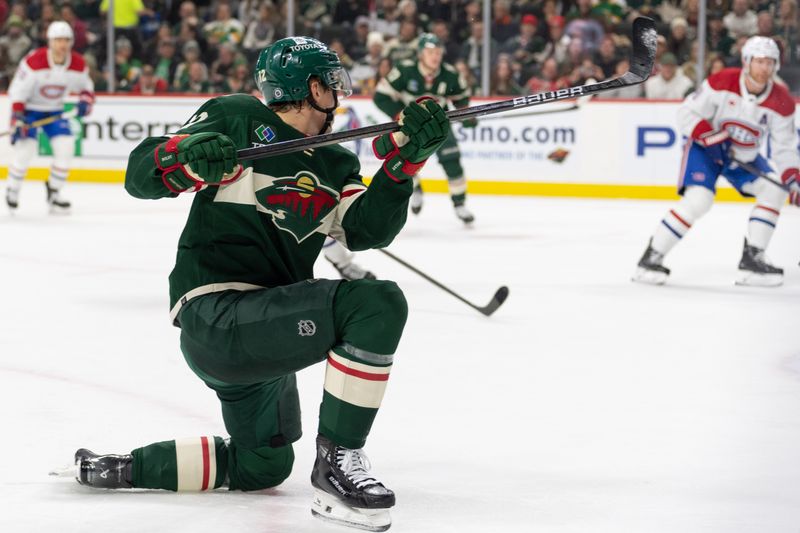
x,y
339,80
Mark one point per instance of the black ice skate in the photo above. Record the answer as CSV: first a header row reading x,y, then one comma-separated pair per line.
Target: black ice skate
x,y
103,471
416,200
345,492
464,214
58,204
650,270
12,199
755,270
351,271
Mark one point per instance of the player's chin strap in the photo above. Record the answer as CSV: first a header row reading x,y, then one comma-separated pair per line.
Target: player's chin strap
x,y
327,110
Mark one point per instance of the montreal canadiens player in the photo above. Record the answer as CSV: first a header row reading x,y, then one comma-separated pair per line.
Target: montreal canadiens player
x,y
729,118
42,81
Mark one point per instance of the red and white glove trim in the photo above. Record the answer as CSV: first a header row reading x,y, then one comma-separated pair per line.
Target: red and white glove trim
x,y
706,135
790,177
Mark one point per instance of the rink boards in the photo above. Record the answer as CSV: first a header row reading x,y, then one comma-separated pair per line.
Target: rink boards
x,y
605,148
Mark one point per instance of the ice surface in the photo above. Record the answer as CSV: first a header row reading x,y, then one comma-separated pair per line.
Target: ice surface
x,y
586,404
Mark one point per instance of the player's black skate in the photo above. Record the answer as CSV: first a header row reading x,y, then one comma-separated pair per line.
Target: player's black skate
x,y
12,199
464,214
650,270
754,269
345,492
351,271
58,204
416,200
103,471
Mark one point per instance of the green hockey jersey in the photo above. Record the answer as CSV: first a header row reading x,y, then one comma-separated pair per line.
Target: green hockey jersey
x,y
405,83
267,228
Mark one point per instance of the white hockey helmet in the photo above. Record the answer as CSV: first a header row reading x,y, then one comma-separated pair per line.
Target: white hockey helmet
x,y
59,30
758,46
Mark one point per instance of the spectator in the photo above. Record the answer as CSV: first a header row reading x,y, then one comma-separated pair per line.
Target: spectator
x,y
250,10
79,29
503,26
471,12
191,55
451,49
224,29
584,26
149,20
408,11
387,19
715,65
150,52
366,68
547,80
718,39
669,83
469,77
786,28
220,68
609,12
260,32
14,43
356,41
741,21
606,57
166,63
630,91
472,49
689,68
126,19
126,67
39,29
525,47
404,46
148,83
347,11
557,45
502,82
196,80
765,25
678,41
240,80
337,46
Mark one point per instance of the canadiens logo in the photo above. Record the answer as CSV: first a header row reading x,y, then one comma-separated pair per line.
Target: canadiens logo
x,y
742,134
52,91
298,204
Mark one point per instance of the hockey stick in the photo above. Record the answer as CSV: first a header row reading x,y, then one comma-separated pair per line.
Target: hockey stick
x,y
756,172
496,301
579,103
43,122
642,58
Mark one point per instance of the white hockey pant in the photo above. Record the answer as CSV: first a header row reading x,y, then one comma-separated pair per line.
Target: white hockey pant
x,y
695,203
764,217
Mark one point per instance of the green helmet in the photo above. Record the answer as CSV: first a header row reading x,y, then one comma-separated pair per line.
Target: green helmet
x,y
428,40
283,69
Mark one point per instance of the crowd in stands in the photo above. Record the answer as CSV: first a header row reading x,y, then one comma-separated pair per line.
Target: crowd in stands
x,y
210,46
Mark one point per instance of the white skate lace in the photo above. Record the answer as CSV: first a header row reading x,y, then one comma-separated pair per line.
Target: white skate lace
x,y
356,466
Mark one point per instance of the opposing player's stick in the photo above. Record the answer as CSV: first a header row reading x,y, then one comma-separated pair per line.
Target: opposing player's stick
x,y
497,300
43,122
756,172
642,58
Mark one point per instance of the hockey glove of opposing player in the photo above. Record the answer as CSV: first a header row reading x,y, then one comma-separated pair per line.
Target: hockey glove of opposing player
x,y
423,129
791,178
85,103
19,126
196,160
716,142
794,198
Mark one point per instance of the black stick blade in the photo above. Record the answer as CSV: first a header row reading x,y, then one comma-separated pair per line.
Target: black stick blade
x,y
645,40
497,300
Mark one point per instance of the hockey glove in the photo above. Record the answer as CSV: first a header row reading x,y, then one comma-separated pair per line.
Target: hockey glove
x,y
19,126
85,103
714,141
196,160
794,198
423,129
791,178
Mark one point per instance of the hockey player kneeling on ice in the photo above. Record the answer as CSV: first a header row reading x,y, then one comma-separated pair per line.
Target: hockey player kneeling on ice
x,y
243,294
37,92
342,261
430,77
730,118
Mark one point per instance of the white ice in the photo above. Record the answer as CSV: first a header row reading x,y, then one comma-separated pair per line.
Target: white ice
x,y
587,404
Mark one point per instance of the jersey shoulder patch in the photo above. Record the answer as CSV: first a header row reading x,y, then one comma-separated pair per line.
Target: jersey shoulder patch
x,y
779,100
450,68
726,79
76,62
37,60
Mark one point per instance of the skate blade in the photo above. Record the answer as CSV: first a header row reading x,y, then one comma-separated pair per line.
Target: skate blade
x,y
59,211
330,509
753,279
651,277
64,471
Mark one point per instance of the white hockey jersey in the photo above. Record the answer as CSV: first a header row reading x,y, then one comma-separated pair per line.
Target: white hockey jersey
x,y
40,85
723,102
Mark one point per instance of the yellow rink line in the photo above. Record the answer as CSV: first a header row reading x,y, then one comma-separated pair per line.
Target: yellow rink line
x,y
573,190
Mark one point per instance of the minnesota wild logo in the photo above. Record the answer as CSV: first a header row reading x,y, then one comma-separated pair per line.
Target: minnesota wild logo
x,y
298,204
